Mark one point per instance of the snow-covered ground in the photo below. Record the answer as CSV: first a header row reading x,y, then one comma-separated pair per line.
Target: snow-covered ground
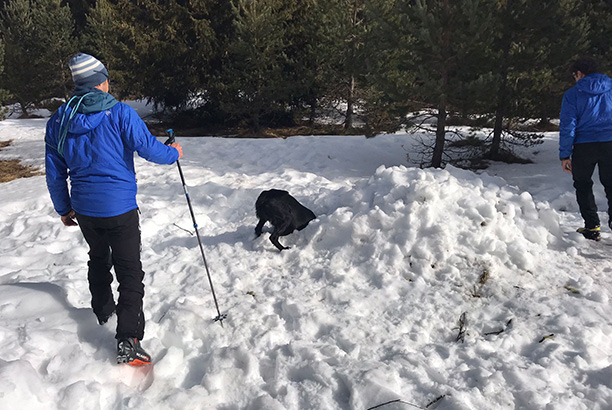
x,y
364,309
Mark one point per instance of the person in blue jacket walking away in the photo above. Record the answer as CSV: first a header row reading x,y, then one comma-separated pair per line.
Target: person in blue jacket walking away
x,y
585,139
91,140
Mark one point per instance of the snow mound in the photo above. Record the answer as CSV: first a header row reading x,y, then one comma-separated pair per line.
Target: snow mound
x,y
418,222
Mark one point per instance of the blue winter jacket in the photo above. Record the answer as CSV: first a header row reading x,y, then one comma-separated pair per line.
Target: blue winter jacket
x,y
98,155
586,113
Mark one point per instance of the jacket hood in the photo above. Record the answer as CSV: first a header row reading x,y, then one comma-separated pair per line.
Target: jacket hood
x,y
91,105
83,123
595,84
93,100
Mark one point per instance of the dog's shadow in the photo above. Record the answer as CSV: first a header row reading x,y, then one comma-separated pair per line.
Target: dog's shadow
x,y
53,300
244,235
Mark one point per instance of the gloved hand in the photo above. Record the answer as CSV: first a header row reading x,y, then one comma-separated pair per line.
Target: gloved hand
x,y
69,219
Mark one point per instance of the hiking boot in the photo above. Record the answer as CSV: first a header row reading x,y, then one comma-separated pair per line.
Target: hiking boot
x,y
593,234
102,319
130,352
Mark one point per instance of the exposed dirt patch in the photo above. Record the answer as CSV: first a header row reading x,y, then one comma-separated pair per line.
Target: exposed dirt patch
x,y
12,169
278,132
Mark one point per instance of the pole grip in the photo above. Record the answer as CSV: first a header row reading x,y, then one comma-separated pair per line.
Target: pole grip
x,y
170,134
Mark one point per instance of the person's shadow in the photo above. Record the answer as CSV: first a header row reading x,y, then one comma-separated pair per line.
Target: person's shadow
x,y
87,328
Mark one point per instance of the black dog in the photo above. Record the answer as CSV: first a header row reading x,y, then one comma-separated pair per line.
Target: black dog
x,y
283,211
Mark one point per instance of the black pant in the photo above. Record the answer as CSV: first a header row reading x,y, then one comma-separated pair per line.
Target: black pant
x,y
584,159
115,242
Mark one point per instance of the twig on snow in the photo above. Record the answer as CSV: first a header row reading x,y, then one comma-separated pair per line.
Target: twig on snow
x,y
572,289
482,280
186,230
550,336
503,329
396,401
431,403
462,327
434,401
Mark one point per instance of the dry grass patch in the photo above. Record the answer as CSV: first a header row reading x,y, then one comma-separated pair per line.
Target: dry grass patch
x,y
286,132
13,169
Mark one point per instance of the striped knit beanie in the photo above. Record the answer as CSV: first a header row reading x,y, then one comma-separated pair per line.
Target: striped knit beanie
x,y
87,71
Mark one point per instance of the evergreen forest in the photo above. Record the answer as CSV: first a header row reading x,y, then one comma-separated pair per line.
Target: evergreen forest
x,y
263,64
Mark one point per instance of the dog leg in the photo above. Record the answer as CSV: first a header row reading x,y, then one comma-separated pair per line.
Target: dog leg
x,y
278,230
259,227
274,240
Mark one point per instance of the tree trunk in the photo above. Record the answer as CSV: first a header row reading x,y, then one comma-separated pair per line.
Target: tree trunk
x,y
438,152
499,116
255,125
502,91
350,101
312,112
348,122
544,122
436,160
25,108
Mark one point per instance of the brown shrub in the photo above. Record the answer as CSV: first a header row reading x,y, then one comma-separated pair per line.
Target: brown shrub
x,y
12,169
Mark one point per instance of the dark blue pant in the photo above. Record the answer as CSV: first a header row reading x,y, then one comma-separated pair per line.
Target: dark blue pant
x,y
115,242
584,159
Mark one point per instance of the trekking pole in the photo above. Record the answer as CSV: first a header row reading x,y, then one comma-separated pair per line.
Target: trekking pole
x,y
219,316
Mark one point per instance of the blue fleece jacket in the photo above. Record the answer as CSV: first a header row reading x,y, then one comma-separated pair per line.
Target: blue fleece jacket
x,y
98,156
586,113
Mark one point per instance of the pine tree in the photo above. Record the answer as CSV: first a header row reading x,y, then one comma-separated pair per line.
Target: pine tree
x,y
599,15
512,56
174,45
155,49
55,38
19,77
446,35
555,42
39,41
386,94
354,33
308,45
109,36
252,83
80,9
346,48
4,95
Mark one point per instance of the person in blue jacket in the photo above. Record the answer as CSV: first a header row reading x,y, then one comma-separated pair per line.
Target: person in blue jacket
x,y
91,140
585,139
